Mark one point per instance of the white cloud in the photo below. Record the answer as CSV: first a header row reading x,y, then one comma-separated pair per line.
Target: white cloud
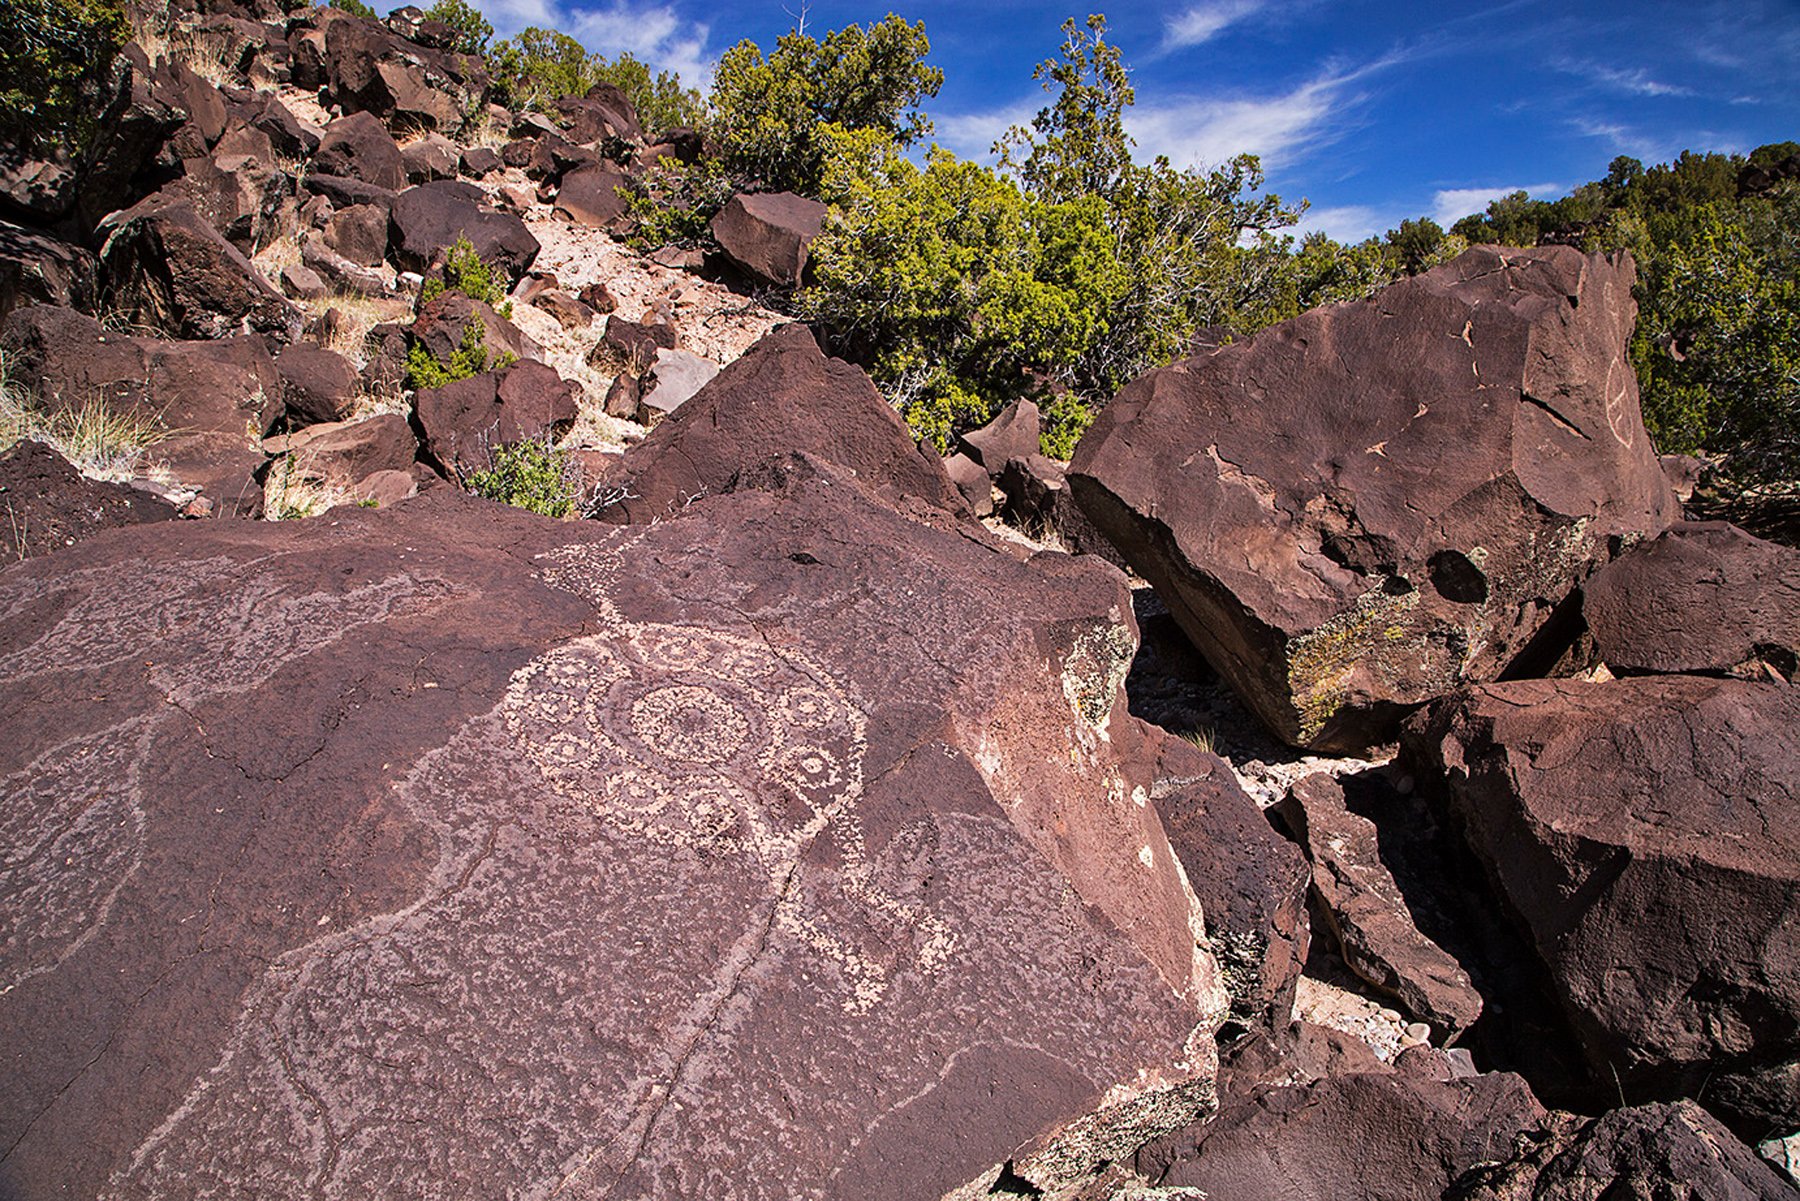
x,y
1208,130
1626,140
653,33
972,135
1451,205
1202,22
1347,223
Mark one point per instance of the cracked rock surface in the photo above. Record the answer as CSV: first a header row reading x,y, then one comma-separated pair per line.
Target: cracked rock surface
x,y
1645,835
1360,509
443,850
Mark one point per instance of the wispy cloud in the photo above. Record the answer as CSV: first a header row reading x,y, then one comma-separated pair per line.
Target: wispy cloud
x,y
972,135
1198,23
1450,205
1208,130
654,33
1625,139
1347,223
1634,82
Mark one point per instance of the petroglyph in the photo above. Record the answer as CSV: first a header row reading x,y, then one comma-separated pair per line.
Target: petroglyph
x,y
713,749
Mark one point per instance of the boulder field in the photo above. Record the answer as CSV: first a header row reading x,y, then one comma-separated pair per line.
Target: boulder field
x,y
795,828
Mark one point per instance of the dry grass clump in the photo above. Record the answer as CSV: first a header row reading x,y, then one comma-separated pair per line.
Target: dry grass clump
x,y
290,493
104,443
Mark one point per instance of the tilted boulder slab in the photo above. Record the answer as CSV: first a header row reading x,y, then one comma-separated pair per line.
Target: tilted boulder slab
x,y
1704,597
1014,434
359,146
1251,882
450,851
1645,833
784,393
769,235
1360,509
36,268
1368,913
464,422
1656,1150
164,267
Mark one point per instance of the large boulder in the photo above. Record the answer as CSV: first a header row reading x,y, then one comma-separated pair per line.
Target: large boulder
x,y
428,219
1645,834
463,423
409,86
166,268
783,394
359,146
1014,434
447,848
1650,1151
317,385
1360,509
769,235
1361,1136
591,197
243,196
1704,597
341,453
50,506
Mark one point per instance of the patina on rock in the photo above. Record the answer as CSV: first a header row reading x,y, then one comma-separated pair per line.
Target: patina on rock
x,y
1355,511
446,850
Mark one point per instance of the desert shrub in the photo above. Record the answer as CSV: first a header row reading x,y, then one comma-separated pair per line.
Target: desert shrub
x,y
56,57
529,475
956,290
674,202
773,116
465,272
355,8
471,28
471,357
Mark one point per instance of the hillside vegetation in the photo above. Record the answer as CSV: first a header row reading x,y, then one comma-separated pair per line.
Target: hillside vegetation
x,y
1071,266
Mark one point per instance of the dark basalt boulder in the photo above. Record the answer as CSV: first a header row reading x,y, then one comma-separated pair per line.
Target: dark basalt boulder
x,y
341,453
1367,913
242,196
1363,508
1703,597
603,114
1040,501
428,219
755,851
1401,1135
371,69
359,233
443,324
213,399
138,121
768,235
36,268
1012,435
359,146
164,267
432,157
478,162
317,385
973,482
783,394
263,111
50,506
463,423
344,193
591,197
1645,835
1251,882
1650,1151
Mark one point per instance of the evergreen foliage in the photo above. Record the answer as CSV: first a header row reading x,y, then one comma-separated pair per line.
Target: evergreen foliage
x,y
56,57
355,8
531,475
471,28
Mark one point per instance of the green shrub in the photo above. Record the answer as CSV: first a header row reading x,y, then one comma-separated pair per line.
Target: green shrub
x,y
465,272
773,115
471,28
674,203
355,8
424,370
530,475
56,57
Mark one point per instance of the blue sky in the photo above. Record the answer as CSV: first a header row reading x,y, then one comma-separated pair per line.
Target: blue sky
x,y
1374,110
